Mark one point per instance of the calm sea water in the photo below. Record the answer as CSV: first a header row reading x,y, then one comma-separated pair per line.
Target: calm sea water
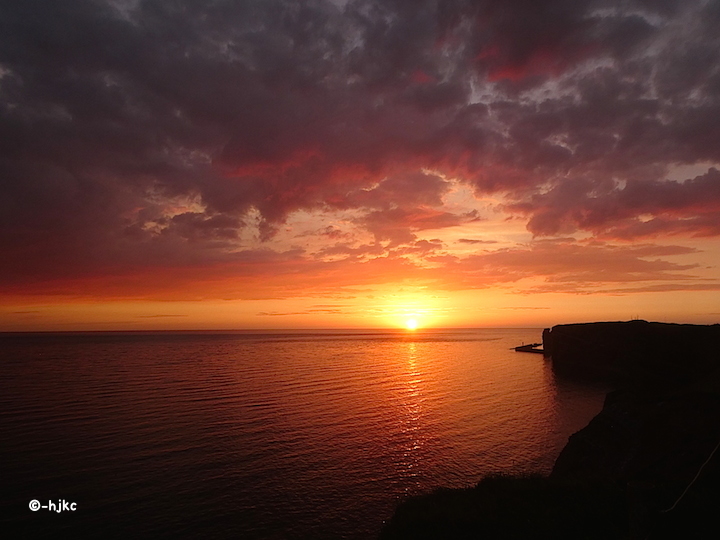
x,y
280,435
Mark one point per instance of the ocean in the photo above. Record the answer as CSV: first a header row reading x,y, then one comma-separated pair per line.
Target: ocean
x,y
273,435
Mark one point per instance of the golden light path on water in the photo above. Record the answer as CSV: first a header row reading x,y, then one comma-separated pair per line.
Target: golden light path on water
x,y
308,435
413,416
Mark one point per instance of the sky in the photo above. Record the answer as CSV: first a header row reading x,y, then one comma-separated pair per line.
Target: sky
x,y
171,164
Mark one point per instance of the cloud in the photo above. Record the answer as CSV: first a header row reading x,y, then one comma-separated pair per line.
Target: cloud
x,y
642,208
157,316
304,312
568,266
543,266
397,224
667,287
524,307
475,241
157,136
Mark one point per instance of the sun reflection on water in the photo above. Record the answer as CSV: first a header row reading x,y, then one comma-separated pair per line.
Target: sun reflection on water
x,y
412,423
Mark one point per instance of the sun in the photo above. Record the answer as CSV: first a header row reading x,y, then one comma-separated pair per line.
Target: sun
x,y
411,324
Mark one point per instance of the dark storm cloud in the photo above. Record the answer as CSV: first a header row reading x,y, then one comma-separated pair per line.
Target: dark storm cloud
x,y
142,133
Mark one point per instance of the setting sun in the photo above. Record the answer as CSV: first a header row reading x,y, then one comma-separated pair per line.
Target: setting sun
x,y
411,324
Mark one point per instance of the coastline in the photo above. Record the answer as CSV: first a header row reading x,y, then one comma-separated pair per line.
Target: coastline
x,y
642,468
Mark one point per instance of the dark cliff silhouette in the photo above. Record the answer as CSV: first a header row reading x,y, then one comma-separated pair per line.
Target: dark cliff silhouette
x,y
646,467
634,354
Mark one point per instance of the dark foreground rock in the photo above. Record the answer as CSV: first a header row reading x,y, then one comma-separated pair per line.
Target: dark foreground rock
x,y
513,508
646,467
661,450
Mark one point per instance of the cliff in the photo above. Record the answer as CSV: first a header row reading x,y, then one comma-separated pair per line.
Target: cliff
x,y
661,450
634,354
647,466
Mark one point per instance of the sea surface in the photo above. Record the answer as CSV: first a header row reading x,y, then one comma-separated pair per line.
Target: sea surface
x,y
284,435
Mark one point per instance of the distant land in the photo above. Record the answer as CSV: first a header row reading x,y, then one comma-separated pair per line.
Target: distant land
x,y
647,466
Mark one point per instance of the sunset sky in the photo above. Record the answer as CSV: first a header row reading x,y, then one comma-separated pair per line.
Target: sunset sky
x,y
340,163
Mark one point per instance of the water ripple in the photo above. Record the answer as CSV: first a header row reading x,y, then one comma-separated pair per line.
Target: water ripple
x,y
284,435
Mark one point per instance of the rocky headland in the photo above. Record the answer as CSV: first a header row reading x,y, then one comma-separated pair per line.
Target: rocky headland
x,y
646,467
635,354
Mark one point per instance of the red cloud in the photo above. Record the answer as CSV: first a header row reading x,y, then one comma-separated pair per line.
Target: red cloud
x,y
420,77
320,112
642,208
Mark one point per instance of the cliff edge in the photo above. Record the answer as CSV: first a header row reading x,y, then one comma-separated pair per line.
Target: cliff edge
x,y
646,467
634,354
